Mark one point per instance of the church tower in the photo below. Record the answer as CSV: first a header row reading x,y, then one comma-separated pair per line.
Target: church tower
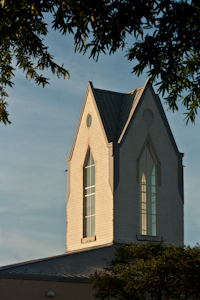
x,y
125,173
124,184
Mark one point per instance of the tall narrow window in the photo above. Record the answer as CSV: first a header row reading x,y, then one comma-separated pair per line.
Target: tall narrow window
x,y
89,197
147,178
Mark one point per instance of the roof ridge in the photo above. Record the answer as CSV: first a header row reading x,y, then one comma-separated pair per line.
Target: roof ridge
x,y
138,95
109,108
7,267
65,267
134,90
107,91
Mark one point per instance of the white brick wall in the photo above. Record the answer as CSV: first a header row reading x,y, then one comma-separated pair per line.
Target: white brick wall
x,y
169,203
126,198
94,138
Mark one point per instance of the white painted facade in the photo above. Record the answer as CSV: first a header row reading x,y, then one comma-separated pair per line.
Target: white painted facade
x,y
169,204
123,126
93,137
117,214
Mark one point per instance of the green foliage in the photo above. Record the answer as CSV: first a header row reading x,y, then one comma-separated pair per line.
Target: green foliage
x,y
22,29
165,34
150,271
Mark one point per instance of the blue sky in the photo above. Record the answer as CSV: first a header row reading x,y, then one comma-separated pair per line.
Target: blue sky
x,y
33,151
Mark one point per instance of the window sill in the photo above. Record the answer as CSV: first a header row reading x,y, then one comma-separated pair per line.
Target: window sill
x,y
148,238
88,239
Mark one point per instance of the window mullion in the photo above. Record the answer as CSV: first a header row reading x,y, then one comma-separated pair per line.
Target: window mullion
x,y
89,197
147,199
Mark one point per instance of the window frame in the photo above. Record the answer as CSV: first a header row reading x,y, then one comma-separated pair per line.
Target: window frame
x,y
89,195
147,170
149,144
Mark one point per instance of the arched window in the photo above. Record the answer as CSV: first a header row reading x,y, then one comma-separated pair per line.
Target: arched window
x,y
89,196
147,180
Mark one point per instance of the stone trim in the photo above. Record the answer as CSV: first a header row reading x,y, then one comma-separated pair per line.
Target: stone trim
x,y
88,239
180,176
111,166
148,142
68,180
116,165
148,238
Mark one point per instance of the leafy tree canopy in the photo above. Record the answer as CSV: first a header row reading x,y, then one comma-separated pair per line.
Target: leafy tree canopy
x,y
151,271
166,40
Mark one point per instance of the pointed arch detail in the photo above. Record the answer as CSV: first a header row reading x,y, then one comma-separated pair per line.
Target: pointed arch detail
x,y
148,143
148,178
89,195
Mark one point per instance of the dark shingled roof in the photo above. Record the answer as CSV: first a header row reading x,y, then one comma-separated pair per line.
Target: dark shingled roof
x,y
67,267
115,110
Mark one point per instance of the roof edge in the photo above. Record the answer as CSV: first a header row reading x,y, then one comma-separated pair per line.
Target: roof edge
x,y
166,123
44,278
6,267
162,113
89,88
133,109
146,82
89,248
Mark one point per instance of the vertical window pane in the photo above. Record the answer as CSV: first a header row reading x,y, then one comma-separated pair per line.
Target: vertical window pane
x,y
92,225
152,175
143,201
143,173
93,175
87,191
153,229
143,188
88,159
147,179
153,219
87,171
92,204
92,159
152,170
87,206
87,227
89,196
152,189
144,207
144,223
153,225
153,208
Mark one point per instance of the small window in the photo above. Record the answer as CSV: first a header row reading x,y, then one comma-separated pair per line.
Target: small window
x,y
89,196
147,180
89,120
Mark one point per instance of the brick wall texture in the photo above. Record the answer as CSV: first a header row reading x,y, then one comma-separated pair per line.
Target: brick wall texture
x,y
92,137
123,224
117,216
169,203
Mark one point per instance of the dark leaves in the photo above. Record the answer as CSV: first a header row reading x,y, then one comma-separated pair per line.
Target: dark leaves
x,y
22,30
165,33
151,271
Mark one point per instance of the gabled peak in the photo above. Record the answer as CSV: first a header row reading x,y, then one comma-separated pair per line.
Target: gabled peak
x,y
116,110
